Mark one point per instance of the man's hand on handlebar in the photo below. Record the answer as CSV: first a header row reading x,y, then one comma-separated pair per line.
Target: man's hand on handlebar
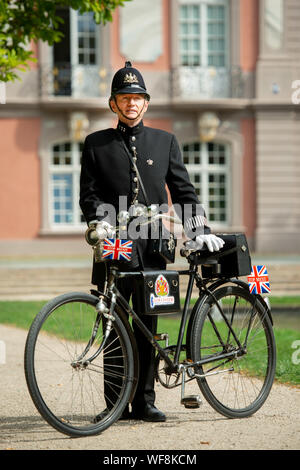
x,y
212,242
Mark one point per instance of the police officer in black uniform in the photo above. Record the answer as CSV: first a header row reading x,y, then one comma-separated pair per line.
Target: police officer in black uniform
x,y
107,174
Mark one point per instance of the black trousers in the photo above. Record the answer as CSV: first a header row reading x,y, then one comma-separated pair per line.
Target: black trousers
x,y
145,393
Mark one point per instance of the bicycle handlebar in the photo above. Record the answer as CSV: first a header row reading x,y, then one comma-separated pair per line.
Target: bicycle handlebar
x,y
170,218
93,236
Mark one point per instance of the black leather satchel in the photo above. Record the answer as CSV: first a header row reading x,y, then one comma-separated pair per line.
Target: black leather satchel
x,y
159,292
233,260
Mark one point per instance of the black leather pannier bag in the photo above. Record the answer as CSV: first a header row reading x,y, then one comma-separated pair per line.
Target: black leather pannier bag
x,y
158,292
237,262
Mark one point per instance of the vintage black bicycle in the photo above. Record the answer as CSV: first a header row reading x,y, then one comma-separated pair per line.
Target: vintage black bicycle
x,y
81,344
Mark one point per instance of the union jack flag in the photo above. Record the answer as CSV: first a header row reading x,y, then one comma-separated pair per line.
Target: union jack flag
x,y
259,280
117,249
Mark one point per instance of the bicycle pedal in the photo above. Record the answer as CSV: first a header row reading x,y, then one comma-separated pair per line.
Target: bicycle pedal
x,y
161,336
191,401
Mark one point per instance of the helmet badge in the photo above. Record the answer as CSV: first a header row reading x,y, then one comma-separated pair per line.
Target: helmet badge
x,y
130,78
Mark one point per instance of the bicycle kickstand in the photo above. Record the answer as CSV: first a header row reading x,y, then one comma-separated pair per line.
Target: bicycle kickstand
x,y
189,401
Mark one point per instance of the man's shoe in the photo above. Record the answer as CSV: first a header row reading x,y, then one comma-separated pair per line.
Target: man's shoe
x,y
149,413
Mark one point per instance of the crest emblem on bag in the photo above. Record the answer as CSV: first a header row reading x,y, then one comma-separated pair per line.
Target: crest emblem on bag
x,y
161,286
161,296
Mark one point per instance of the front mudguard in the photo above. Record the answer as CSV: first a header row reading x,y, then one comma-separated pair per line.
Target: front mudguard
x,y
122,315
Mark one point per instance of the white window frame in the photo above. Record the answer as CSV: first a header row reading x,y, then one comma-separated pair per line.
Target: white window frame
x,y
85,79
74,169
204,169
75,38
203,33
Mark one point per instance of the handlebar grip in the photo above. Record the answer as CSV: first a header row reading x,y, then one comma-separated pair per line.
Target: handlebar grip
x,y
184,252
203,251
92,236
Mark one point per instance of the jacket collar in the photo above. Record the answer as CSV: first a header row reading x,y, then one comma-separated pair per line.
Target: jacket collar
x,y
129,131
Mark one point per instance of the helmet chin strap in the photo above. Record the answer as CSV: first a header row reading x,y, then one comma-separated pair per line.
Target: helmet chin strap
x,y
124,116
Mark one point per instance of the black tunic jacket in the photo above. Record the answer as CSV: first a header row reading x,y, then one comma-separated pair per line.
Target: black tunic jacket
x,y
107,173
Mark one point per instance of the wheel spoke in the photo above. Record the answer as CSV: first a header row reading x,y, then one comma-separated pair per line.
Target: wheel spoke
x,y
241,391
67,392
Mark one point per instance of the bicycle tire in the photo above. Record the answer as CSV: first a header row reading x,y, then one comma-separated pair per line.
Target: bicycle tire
x,y
72,399
242,390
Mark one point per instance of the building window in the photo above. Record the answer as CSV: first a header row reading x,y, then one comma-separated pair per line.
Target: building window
x,y
65,167
208,165
202,33
86,39
76,59
204,69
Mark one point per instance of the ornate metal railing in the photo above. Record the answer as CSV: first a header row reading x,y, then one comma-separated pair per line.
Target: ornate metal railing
x,y
78,81
207,82
82,81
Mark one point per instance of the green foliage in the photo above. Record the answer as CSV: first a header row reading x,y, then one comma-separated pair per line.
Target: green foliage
x,y
23,21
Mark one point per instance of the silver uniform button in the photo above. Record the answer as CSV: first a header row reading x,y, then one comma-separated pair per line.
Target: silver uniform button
x,y
133,139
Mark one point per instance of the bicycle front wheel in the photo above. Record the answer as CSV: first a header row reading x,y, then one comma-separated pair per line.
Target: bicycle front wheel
x,y
76,396
235,386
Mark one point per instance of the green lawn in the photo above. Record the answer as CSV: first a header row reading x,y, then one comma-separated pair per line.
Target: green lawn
x,y
22,313
286,370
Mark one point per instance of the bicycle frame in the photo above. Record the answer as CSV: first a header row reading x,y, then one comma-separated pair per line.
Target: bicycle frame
x,y
114,296
173,365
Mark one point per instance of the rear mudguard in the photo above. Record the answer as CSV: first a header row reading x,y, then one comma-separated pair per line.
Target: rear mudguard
x,y
200,301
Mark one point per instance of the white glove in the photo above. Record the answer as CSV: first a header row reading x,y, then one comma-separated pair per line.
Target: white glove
x,y
103,229
212,242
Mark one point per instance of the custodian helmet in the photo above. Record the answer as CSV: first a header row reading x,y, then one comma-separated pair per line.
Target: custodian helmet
x,y
128,80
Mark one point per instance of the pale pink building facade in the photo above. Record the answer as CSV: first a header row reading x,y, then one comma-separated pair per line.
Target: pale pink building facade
x,y
230,62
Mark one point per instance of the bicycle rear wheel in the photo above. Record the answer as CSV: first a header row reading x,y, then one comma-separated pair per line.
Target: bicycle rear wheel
x,y
71,395
238,386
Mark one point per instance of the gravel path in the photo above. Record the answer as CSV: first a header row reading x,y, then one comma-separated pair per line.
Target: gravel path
x,y
274,426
